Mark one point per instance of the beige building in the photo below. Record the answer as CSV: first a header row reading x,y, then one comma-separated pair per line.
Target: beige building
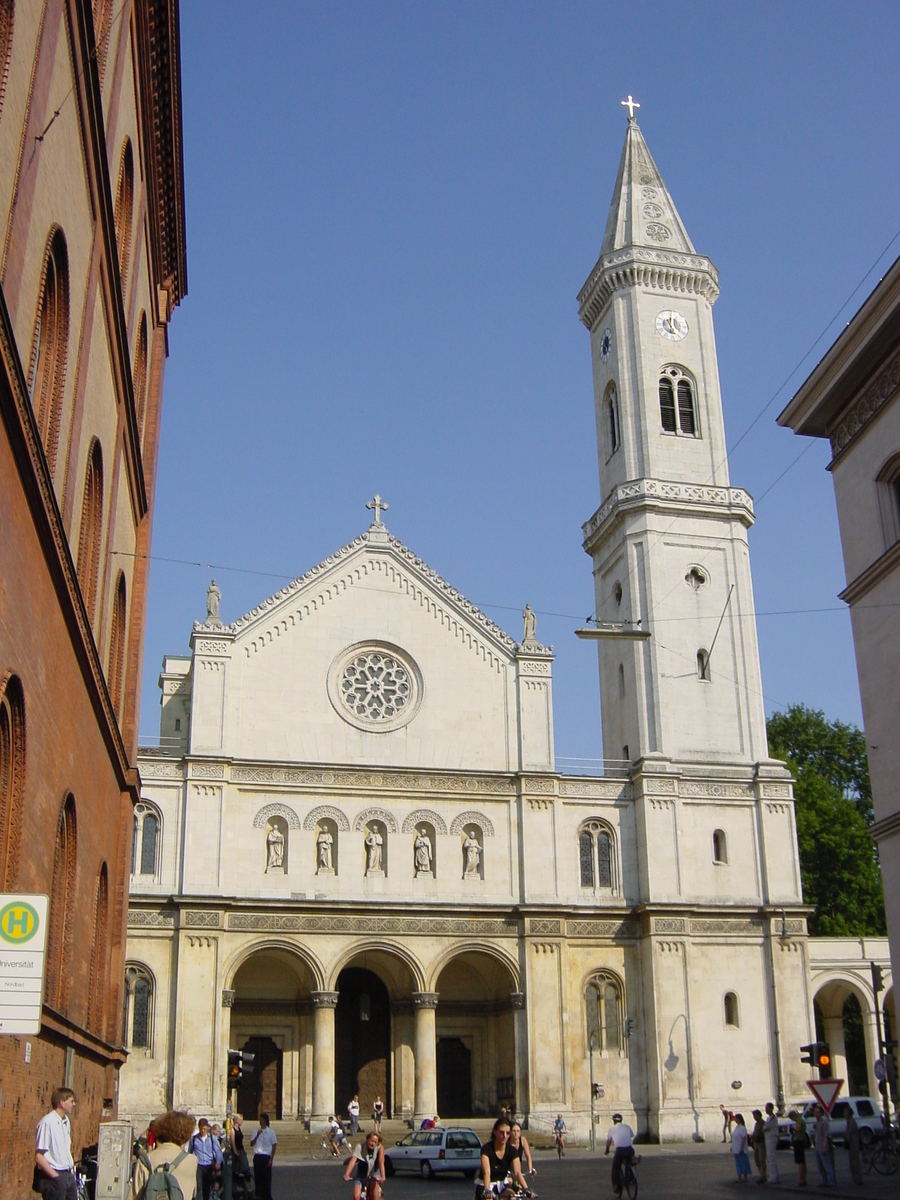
x,y
354,854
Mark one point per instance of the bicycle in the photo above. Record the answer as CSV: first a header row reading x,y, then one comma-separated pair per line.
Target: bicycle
x,y
629,1179
322,1151
560,1147
882,1155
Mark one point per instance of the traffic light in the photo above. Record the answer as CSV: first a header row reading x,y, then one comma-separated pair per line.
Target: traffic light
x,y
595,1091
817,1054
877,978
629,1026
239,1061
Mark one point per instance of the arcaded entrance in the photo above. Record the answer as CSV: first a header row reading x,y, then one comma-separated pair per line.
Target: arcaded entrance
x,y
362,1040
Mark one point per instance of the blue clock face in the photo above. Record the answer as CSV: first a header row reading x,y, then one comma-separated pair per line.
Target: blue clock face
x,y
605,345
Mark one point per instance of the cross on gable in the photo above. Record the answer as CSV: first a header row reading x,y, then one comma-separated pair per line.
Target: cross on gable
x,y
631,104
379,506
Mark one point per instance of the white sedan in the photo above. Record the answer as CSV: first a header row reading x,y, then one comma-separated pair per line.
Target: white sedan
x,y
428,1151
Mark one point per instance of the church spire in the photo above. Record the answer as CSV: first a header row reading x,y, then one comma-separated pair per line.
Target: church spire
x,y
642,212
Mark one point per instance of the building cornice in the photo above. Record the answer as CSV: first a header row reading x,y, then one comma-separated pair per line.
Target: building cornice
x,y
663,495
636,266
883,566
880,392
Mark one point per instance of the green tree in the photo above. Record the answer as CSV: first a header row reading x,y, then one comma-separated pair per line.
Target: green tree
x,y
833,805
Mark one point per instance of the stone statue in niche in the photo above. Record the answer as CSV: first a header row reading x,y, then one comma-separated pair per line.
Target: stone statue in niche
x,y
323,853
274,849
472,851
422,852
374,853
213,596
530,623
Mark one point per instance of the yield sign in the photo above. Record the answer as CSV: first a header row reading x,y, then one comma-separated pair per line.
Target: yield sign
x,y
825,1091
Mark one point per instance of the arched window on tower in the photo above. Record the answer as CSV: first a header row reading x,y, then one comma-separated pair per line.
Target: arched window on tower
x,y
677,403
732,1015
12,780
51,338
611,404
116,671
124,209
596,858
140,373
703,665
720,846
605,1014
91,528
137,1018
145,856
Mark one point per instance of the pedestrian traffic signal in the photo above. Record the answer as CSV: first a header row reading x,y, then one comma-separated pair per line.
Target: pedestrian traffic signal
x,y
629,1026
817,1054
595,1091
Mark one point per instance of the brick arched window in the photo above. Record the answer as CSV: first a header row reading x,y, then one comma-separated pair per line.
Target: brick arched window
x,y
7,8
62,903
51,339
12,779
103,14
124,209
99,985
140,373
91,528
116,673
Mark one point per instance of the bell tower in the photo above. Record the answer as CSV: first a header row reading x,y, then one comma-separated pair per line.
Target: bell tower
x,y
669,540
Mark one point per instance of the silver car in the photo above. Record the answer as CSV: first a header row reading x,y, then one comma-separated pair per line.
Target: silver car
x,y
428,1151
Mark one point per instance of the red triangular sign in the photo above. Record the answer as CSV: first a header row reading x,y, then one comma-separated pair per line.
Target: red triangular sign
x,y
825,1091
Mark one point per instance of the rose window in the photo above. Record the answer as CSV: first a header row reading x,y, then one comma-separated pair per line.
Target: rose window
x,y
375,686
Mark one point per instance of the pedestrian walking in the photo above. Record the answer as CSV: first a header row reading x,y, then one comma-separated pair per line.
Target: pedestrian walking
x,y
739,1141
851,1141
758,1142
378,1113
353,1114
208,1153
798,1143
823,1149
263,1142
727,1118
770,1132
54,1166
173,1131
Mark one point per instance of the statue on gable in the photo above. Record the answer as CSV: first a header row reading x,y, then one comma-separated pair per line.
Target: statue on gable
x,y
530,623
213,596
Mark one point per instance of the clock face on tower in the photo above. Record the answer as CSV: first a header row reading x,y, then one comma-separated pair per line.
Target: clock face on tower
x,y
671,325
605,345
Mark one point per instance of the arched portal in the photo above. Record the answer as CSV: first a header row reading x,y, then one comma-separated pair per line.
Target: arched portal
x,y
845,1020
475,1027
271,1018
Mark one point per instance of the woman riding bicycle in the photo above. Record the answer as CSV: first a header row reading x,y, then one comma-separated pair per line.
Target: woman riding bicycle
x,y
366,1167
518,1143
498,1164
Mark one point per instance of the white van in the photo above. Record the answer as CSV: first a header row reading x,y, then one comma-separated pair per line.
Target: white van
x,y
866,1110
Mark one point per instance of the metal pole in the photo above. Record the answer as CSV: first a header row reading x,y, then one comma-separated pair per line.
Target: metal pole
x,y
881,1051
591,1045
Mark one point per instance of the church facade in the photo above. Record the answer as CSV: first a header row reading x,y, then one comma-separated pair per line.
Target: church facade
x,y
354,855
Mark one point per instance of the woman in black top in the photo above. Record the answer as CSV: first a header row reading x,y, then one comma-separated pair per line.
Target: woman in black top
x,y
518,1144
498,1161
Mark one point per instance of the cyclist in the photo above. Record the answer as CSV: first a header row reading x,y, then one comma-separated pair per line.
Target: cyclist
x,y
622,1137
518,1143
366,1167
500,1167
335,1136
559,1129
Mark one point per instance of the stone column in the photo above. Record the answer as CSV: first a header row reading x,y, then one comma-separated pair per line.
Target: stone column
x,y
324,1004
520,1033
426,1058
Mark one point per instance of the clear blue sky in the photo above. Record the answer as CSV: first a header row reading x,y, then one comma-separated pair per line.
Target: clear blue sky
x,y
390,211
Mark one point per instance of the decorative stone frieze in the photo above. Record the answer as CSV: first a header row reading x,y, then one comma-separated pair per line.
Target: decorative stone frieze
x,y
424,814
472,818
228,996
352,924
329,812
276,810
425,999
324,999
591,927
661,492
203,919
376,814
146,919
544,925
866,408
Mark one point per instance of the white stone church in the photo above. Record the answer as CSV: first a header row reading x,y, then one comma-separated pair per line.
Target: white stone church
x,y
355,856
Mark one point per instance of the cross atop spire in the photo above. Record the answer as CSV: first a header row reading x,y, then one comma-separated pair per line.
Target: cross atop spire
x,y
631,104
379,506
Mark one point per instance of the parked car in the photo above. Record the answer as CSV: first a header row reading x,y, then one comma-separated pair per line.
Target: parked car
x,y
428,1151
866,1110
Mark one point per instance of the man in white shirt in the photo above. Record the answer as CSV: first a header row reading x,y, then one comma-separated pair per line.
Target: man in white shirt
x,y
622,1137
263,1142
53,1149
353,1114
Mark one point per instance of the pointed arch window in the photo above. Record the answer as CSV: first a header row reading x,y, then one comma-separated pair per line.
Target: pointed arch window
x,y
611,406
137,1022
91,528
596,858
140,373
99,957
677,403
62,900
116,671
605,1014
51,338
124,210
145,843
12,780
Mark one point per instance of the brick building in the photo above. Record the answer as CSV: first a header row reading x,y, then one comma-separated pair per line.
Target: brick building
x,y
92,264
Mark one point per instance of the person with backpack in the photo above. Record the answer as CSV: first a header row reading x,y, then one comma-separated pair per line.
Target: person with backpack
x,y
208,1153
168,1171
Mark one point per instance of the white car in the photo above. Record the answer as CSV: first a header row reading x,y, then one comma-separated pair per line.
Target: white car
x,y
428,1151
865,1109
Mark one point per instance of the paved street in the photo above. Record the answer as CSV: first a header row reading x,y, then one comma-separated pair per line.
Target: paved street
x,y
665,1173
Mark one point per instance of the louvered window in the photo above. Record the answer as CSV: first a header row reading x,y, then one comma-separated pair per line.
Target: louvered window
x,y
677,404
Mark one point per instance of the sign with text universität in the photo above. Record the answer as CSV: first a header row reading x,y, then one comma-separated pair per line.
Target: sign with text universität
x,y
23,955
